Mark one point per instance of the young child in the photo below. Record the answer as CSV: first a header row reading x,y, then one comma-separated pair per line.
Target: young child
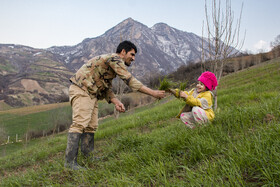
x,y
199,101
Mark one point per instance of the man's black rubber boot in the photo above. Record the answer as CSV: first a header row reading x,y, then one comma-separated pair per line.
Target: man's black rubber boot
x,y
72,151
87,144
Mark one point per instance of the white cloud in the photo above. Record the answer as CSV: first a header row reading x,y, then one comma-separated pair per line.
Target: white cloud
x,y
262,46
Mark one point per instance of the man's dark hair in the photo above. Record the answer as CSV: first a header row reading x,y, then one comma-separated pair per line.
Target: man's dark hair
x,y
127,46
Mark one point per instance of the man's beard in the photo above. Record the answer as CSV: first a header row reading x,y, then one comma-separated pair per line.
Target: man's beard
x,y
127,64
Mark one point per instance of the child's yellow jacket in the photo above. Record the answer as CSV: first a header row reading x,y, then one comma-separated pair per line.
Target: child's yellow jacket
x,y
202,99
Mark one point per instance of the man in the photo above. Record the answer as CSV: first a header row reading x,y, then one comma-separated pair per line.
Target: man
x,y
93,82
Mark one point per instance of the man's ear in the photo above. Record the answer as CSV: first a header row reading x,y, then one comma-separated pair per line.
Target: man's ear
x,y
123,52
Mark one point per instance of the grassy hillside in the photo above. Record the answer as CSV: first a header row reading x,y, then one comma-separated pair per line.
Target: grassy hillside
x,y
40,120
4,106
152,148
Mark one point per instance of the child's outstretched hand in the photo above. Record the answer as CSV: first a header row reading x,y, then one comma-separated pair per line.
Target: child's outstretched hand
x,y
178,93
175,92
183,95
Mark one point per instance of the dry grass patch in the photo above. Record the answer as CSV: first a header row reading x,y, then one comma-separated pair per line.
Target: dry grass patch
x,y
34,109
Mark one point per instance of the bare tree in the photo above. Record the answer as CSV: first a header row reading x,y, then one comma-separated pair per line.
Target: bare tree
x,y
275,45
223,35
276,42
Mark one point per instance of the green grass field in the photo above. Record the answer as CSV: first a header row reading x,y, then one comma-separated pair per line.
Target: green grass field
x,y
39,118
149,147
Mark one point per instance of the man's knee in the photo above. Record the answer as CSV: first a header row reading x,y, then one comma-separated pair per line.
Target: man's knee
x,y
90,130
76,128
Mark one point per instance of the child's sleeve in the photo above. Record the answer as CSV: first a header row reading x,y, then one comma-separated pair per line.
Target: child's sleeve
x,y
204,102
193,101
175,92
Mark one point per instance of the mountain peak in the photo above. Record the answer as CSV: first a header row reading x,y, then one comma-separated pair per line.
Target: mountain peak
x,y
161,26
129,22
126,27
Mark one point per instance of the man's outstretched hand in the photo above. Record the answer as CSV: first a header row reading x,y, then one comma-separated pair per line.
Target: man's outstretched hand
x,y
120,107
159,94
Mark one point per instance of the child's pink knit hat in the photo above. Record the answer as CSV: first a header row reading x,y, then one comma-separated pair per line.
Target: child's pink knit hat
x,y
209,80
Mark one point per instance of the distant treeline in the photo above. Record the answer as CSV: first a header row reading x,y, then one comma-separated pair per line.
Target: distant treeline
x,y
189,73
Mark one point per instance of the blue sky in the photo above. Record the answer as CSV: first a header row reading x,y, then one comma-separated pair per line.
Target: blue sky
x,y
46,23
